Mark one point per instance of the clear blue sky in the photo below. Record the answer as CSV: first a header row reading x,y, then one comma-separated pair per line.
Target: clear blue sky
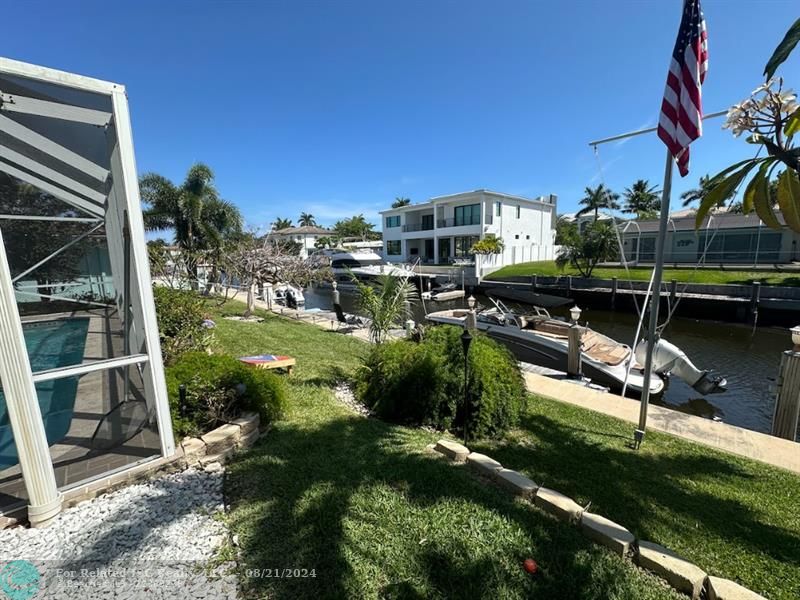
x,y
336,107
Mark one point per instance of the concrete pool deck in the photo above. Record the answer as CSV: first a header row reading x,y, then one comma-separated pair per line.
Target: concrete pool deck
x,y
721,436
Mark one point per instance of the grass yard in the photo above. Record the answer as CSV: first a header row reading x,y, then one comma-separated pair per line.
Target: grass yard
x,y
712,276
376,515
733,517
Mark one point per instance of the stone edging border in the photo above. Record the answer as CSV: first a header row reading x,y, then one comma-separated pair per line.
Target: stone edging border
x,y
678,572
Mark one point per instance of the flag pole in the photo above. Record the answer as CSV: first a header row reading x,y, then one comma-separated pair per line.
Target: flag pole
x,y
655,301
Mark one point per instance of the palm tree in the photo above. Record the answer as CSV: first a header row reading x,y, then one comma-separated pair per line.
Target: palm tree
x,y
641,199
281,224
202,221
306,220
597,198
698,193
385,302
398,202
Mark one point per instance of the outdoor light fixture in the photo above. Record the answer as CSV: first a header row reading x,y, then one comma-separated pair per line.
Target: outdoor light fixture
x,y
471,302
796,336
466,340
575,313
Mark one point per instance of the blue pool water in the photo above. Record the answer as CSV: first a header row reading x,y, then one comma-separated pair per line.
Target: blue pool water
x,y
50,344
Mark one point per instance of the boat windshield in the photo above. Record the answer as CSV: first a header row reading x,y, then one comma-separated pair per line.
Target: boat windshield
x,y
353,263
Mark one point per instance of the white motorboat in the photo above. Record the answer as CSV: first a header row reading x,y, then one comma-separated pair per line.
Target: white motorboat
x,y
286,295
542,340
366,266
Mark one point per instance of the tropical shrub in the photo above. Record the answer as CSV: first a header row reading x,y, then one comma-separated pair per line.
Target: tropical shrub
x,y
491,244
596,244
218,389
423,383
180,323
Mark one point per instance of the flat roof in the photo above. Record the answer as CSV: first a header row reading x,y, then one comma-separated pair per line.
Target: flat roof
x,y
687,223
451,197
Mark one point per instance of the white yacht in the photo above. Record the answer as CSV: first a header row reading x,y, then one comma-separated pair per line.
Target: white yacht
x,y
366,265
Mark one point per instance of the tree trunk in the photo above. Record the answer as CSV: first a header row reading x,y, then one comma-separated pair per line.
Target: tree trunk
x,y
251,300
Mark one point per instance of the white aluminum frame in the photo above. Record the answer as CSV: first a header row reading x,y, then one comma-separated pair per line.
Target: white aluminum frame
x,y
119,210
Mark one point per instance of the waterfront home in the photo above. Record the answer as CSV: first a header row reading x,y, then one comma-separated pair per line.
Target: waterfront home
x,y
306,236
444,229
728,239
584,220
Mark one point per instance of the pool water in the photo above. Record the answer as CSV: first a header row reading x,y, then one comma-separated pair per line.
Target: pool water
x,y
50,344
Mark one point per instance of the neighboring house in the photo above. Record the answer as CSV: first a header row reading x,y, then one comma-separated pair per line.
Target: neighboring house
x,y
306,236
443,229
726,238
584,220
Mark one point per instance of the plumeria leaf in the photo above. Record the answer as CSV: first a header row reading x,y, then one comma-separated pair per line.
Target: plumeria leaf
x,y
789,198
724,173
723,188
792,125
756,138
783,50
759,197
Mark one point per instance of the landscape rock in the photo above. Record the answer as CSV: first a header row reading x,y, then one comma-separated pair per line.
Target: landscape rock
x,y
516,483
156,539
345,395
247,422
718,588
606,532
452,450
220,439
246,441
483,464
558,504
681,574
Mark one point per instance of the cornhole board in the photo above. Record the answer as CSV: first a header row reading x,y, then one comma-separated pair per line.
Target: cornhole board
x,y
270,361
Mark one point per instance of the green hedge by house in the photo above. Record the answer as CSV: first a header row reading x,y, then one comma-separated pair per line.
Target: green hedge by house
x,y
423,383
218,389
180,322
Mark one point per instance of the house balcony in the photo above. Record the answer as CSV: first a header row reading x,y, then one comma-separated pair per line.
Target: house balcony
x,y
470,220
417,227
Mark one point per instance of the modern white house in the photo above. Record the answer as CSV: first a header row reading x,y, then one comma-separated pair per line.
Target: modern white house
x,y
583,221
443,229
306,236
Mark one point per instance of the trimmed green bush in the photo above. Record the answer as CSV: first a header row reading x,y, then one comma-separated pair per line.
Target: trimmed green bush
x,y
180,322
218,389
423,383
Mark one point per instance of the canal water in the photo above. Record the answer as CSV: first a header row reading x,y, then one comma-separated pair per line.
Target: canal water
x,y
747,358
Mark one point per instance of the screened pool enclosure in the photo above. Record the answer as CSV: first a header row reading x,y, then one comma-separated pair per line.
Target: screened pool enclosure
x,y
83,391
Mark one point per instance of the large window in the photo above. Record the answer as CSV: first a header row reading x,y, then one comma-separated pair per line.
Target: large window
x,y
393,221
464,243
427,222
468,215
393,247
498,208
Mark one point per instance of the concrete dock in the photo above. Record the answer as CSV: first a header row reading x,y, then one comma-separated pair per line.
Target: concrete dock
x,y
721,436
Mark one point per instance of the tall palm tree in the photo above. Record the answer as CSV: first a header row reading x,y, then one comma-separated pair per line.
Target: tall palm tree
x,y
597,198
306,220
698,193
281,224
641,199
201,220
398,202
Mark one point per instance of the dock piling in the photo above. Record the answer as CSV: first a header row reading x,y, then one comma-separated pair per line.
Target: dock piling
x,y
787,404
755,298
673,291
574,351
614,284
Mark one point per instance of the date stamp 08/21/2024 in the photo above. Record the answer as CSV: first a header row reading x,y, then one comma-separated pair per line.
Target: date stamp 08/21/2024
x,y
280,573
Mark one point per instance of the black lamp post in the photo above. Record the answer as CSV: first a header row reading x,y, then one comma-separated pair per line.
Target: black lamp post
x,y
466,340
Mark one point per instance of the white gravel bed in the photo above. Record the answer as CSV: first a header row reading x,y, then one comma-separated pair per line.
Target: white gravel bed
x,y
344,394
149,540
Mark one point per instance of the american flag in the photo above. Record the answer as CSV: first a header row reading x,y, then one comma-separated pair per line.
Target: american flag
x,y
681,119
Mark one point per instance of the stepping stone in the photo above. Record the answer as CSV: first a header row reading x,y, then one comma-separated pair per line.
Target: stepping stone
x,y
718,588
516,482
452,450
558,504
606,532
679,572
483,464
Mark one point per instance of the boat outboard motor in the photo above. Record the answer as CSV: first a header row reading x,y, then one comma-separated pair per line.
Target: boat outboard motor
x,y
668,358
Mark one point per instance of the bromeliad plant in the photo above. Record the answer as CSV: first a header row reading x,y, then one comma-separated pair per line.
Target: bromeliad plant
x,y
771,115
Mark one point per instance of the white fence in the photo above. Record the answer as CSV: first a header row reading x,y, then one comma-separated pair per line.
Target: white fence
x,y
484,265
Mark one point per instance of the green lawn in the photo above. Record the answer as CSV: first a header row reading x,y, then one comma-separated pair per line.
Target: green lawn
x,y
718,276
377,515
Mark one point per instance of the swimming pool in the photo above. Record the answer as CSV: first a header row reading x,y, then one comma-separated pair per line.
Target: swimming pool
x,y
50,344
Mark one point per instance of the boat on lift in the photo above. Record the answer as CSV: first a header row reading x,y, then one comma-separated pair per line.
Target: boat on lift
x,y
542,340
366,266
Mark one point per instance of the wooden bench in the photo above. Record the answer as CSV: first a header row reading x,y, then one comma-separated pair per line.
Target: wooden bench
x,y
270,361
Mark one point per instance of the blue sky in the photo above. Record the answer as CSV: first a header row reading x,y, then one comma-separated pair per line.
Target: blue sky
x,y
336,107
